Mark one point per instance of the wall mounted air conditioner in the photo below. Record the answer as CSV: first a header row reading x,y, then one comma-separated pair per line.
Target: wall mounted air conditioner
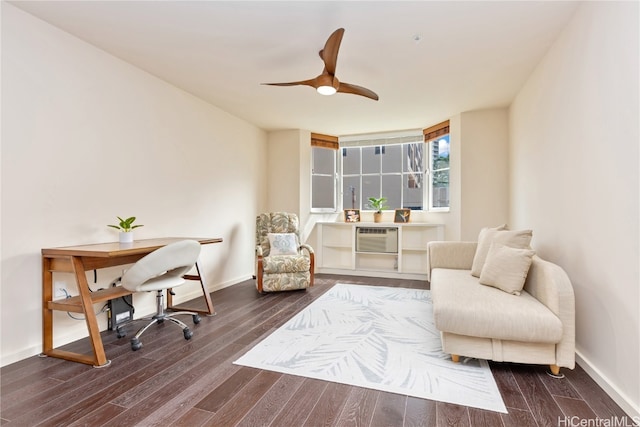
x,y
377,239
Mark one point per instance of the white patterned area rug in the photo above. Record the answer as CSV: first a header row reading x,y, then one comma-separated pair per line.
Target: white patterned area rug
x,y
379,338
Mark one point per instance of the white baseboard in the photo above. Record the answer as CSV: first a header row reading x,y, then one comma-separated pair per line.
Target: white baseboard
x,y
628,406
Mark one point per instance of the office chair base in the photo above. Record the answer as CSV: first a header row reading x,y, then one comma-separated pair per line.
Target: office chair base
x,y
187,333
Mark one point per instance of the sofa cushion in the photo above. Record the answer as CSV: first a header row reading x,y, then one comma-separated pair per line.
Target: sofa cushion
x,y
462,306
512,238
506,268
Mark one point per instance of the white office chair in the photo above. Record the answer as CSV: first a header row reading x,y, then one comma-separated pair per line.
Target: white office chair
x,y
162,269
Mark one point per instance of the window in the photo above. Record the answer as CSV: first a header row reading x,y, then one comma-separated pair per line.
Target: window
x,y
439,171
437,138
323,173
394,171
409,171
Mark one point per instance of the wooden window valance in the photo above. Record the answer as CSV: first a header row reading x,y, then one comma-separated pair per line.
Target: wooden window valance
x,y
435,132
324,141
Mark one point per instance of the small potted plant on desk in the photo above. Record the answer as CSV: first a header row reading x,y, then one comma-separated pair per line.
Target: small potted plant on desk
x,y
126,229
377,204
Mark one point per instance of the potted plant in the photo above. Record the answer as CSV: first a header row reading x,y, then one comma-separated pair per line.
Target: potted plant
x,y
126,228
377,204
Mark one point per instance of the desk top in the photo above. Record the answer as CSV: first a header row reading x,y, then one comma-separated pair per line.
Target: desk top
x,y
115,249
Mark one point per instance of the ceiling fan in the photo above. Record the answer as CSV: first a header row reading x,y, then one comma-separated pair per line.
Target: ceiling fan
x,y
327,83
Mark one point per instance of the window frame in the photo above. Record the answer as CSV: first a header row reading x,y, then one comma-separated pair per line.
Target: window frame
x,y
328,142
431,134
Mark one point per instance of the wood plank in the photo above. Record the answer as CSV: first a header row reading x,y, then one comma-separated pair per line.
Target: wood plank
x,y
193,418
420,412
359,407
100,416
542,405
519,418
508,386
482,418
328,408
236,408
389,410
222,394
452,415
575,408
297,409
272,402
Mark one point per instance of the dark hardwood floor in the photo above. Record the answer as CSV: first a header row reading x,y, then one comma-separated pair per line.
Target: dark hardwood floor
x,y
173,382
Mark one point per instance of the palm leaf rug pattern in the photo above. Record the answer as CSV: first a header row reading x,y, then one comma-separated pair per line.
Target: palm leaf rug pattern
x,y
375,337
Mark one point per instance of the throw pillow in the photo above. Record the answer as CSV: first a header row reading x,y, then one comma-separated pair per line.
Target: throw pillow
x,y
283,244
512,238
506,268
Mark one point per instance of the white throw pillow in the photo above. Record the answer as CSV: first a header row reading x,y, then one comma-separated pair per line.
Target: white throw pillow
x,y
283,244
506,268
513,238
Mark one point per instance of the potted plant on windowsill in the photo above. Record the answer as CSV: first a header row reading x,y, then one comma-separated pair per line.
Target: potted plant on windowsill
x,y
126,228
377,204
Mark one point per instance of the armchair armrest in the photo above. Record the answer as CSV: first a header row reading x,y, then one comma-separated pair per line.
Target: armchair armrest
x,y
259,268
309,249
454,255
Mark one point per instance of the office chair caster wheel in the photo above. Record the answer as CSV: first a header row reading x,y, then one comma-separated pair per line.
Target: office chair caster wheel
x,y
135,344
120,333
187,333
196,319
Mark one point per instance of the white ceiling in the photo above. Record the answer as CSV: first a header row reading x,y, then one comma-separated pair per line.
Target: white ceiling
x,y
470,55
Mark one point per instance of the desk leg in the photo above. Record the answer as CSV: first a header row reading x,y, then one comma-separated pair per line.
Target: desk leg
x,y
47,315
89,314
207,298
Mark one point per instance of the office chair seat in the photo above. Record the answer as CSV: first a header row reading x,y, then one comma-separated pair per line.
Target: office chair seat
x,y
162,269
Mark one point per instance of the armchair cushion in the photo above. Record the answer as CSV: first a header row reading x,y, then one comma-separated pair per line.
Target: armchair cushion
x,y
285,264
283,243
506,268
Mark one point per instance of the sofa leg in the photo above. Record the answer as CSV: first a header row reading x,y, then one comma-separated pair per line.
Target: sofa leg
x,y
555,371
455,358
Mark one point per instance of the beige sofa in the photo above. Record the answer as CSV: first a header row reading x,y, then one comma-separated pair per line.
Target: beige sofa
x,y
536,327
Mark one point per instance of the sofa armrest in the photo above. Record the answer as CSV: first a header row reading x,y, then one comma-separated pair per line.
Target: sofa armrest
x,y
454,255
549,284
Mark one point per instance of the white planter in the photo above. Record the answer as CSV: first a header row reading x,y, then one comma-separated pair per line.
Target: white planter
x,y
126,237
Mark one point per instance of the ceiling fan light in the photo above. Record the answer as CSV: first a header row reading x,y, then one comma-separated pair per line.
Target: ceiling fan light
x,y
326,90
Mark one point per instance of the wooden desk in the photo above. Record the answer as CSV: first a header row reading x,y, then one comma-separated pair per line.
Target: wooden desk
x,y
77,260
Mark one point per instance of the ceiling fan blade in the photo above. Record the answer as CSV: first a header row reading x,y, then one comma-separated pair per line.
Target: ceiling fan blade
x,y
357,90
311,82
330,52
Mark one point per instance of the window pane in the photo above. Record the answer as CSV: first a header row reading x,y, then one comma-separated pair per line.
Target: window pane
x,y
391,186
440,153
412,191
370,188
322,195
371,160
413,157
392,159
349,184
323,160
351,161
440,189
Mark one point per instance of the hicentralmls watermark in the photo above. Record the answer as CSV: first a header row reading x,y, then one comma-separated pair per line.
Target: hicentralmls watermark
x,y
576,421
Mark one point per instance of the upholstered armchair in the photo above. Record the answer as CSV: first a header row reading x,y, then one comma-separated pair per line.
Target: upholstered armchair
x,y
282,262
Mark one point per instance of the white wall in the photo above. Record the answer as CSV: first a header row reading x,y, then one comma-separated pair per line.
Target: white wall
x,y
86,137
484,171
574,180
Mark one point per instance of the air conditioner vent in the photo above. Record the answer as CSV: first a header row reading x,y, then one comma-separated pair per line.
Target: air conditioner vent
x,y
377,239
